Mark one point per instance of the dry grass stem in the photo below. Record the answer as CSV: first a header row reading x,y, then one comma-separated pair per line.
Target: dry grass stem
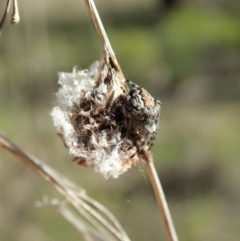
x,y
146,155
87,231
15,16
161,200
107,48
5,14
90,209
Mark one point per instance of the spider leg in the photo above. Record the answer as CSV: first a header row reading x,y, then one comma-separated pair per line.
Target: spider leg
x,y
152,140
132,83
156,101
134,153
124,91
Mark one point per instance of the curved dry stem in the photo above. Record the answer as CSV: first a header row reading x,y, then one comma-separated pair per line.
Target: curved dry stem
x,y
15,16
5,14
106,212
74,195
88,232
71,218
105,227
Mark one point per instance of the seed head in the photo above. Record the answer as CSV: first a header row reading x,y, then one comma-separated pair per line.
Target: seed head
x,y
95,123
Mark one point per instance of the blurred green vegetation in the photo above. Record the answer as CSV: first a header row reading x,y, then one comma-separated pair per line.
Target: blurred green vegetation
x,y
188,56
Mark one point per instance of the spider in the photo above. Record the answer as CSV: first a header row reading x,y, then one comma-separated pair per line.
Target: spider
x,y
145,111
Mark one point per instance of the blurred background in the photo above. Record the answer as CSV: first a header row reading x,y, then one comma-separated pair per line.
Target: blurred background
x,y
185,53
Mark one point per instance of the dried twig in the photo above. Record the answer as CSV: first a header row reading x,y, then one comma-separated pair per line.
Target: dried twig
x,y
77,222
107,48
159,194
15,16
74,195
5,14
160,197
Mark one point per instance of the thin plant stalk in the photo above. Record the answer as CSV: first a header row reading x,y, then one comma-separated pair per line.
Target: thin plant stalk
x,y
161,200
5,14
159,194
15,19
107,48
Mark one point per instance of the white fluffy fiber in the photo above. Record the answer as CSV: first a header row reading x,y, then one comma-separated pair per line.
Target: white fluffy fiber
x,y
105,155
73,83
